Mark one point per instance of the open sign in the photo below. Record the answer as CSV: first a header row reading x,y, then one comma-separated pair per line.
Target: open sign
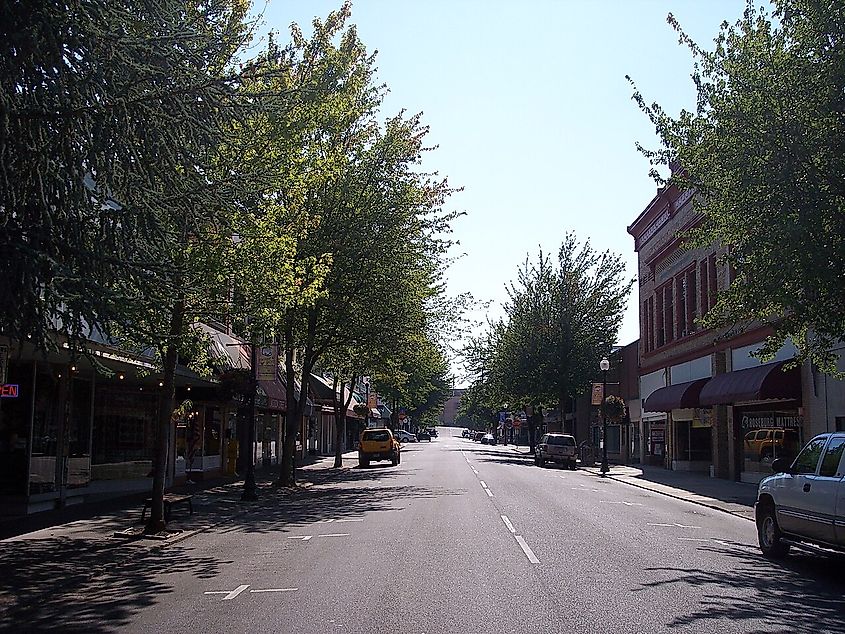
x,y
9,390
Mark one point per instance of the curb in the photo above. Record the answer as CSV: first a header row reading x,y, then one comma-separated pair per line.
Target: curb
x,y
669,495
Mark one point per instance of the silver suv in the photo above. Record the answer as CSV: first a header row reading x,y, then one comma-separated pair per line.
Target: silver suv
x,y
556,448
803,504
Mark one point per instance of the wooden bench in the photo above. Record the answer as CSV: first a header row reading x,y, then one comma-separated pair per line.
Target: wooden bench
x,y
169,500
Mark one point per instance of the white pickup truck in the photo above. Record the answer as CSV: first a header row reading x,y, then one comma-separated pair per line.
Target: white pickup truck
x,y
803,504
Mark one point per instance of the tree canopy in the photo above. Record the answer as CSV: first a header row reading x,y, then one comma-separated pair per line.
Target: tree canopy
x,y
764,149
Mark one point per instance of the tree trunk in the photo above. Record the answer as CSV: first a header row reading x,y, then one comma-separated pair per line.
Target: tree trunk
x,y
340,409
286,478
156,522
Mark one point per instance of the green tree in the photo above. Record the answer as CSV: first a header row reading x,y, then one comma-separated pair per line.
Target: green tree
x,y
561,317
109,112
364,218
764,150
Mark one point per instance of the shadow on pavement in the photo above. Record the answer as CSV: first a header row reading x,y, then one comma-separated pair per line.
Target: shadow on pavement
x,y
84,586
802,594
343,496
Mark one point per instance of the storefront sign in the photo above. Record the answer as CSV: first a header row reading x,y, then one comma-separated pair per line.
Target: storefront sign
x,y
268,363
598,394
762,420
9,390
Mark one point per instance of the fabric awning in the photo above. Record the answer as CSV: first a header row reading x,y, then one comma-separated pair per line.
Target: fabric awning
x,y
678,396
760,383
374,413
277,396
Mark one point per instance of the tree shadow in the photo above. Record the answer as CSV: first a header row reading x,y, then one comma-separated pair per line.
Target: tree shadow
x,y
803,594
87,585
343,497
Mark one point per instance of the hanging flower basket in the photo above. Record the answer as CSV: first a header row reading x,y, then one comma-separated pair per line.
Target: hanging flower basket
x,y
614,408
361,409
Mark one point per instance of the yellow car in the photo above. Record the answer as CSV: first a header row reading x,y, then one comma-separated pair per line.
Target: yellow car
x,y
378,444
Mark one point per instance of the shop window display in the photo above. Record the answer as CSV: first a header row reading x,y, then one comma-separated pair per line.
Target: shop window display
x,y
14,430
124,433
767,435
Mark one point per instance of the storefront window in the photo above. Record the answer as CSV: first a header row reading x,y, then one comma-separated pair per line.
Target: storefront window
x,y
14,430
45,429
124,433
79,434
767,435
213,429
613,438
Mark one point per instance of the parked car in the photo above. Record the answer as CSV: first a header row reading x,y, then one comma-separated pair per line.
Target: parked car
x,y
465,433
556,448
478,435
378,444
488,439
803,504
404,436
424,435
433,432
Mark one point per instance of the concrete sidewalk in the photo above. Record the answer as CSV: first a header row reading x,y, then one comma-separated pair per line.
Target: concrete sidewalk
x,y
214,502
736,498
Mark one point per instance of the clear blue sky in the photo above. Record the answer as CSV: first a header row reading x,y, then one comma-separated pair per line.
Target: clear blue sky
x,y
529,105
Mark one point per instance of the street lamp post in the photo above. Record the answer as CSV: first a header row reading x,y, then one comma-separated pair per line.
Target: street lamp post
x,y
605,366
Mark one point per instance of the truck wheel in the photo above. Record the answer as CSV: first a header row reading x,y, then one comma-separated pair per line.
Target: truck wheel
x,y
768,533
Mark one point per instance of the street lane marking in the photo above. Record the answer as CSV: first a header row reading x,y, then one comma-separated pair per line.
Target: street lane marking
x,y
484,484
360,519
474,470
527,550
235,593
334,535
508,523
673,525
277,590
489,493
304,538
622,502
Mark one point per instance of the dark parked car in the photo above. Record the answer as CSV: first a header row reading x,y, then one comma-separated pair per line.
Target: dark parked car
x,y
424,435
478,435
433,432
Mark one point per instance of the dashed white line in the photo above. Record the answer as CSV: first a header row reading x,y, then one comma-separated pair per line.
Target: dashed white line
x,y
508,523
304,538
351,520
527,550
483,484
489,493
334,535
474,470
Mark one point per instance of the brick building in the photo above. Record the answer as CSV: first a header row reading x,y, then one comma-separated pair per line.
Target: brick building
x,y
707,403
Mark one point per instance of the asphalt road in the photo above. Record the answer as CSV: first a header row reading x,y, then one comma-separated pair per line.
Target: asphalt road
x,y
462,537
